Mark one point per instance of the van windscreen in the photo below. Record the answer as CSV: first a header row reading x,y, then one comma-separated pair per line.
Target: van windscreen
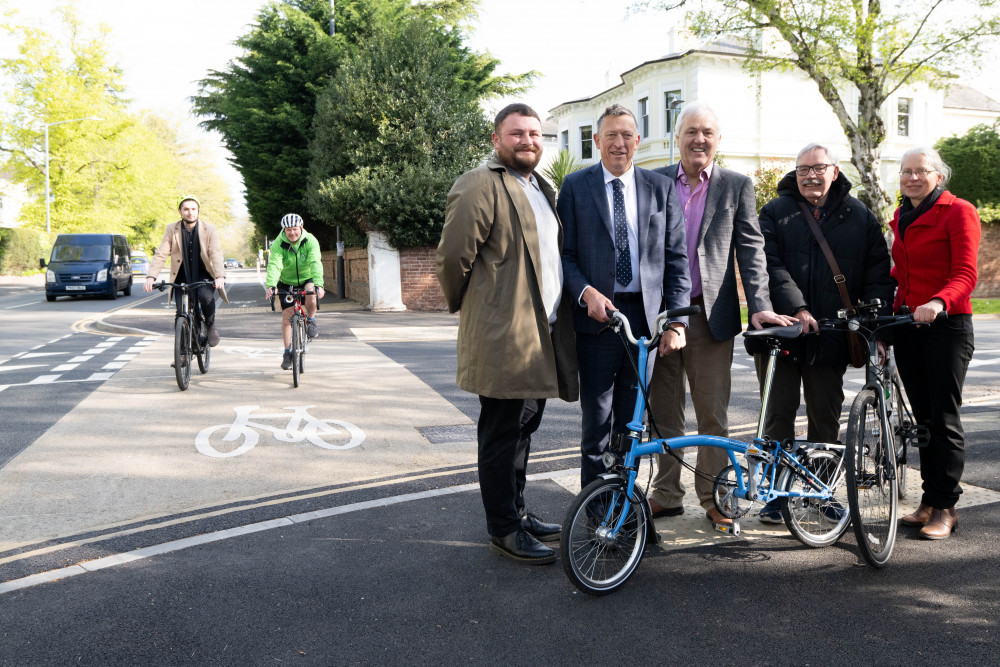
x,y
81,253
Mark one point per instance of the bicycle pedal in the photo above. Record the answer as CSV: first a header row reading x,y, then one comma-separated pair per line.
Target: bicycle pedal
x,y
729,530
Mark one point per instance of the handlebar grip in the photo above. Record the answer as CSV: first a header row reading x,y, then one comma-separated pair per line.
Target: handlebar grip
x,y
943,315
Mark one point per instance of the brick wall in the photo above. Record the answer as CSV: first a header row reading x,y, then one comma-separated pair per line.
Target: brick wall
x,y
988,286
420,287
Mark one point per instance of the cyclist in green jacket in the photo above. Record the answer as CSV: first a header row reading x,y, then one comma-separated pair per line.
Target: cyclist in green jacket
x,y
295,262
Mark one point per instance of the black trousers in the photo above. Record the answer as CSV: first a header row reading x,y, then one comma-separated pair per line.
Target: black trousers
x,y
932,362
206,297
505,428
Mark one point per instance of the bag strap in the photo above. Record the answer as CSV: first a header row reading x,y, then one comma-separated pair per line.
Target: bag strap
x,y
838,277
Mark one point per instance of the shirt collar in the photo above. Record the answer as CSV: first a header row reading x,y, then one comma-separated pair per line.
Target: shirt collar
x,y
627,178
525,182
705,175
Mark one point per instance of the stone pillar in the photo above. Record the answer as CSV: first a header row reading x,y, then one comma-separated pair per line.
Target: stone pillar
x,y
384,283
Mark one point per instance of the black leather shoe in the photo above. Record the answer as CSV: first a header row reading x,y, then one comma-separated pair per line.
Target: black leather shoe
x,y
546,532
521,547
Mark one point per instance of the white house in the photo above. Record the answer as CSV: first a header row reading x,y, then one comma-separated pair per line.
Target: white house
x,y
764,117
12,197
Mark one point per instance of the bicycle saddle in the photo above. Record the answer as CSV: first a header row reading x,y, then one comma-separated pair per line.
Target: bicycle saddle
x,y
791,331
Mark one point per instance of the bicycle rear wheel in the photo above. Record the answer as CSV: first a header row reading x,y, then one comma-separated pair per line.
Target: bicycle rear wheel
x,y
899,421
182,352
296,349
596,558
816,522
871,479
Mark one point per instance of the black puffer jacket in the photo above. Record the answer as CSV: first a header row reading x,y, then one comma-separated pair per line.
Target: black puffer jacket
x,y
799,275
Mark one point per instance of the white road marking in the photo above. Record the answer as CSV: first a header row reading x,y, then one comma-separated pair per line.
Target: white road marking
x,y
126,357
22,305
35,355
64,367
114,365
101,376
82,358
18,368
45,379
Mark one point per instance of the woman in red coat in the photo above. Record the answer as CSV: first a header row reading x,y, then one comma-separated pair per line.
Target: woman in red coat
x,y
935,248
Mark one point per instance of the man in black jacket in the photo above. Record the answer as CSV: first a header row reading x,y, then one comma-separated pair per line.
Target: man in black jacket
x,y
802,285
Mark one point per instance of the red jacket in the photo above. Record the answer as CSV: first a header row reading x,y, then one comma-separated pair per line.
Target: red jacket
x,y
937,257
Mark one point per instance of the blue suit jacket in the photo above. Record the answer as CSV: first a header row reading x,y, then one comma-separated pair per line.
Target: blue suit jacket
x,y
589,251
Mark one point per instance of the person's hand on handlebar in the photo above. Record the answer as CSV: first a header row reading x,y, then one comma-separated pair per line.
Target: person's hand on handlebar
x,y
148,285
809,323
320,292
928,312
269,292
758,320
674,338
597,304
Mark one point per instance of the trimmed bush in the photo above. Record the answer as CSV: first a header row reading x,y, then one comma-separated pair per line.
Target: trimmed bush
x,y
20,250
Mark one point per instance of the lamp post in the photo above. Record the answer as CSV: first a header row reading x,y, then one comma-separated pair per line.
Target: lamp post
x,y
341,281
672,111
47,126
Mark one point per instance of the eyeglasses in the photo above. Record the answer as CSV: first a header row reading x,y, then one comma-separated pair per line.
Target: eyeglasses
x,y
803,169
919,173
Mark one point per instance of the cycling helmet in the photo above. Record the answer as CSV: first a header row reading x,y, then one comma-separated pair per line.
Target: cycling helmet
x,y
291,220
185,198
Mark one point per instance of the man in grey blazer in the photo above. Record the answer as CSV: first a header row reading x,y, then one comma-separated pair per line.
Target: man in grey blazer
x,y
720,222
623,250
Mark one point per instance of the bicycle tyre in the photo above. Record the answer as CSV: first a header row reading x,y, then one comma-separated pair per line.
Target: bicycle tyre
x,y
896,424
871,480
302,346
594,561
296,351
816,522
204,353
182,352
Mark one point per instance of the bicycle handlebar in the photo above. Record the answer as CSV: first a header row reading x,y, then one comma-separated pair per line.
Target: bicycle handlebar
x,y
865,316
163,284
620,323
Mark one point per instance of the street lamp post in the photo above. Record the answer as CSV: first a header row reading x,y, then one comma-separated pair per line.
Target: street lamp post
x,y
341,280
47,126
674,106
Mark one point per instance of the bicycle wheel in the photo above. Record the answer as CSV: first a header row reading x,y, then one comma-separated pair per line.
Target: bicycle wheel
x,y
204,351
296,349
816,522
870,458
182,352
302,346
596,559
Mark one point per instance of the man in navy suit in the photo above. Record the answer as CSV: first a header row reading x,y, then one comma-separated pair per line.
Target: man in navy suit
x,y
721,229
624,249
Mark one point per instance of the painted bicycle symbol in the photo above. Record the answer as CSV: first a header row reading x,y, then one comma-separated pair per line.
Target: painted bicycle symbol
x,y
325,433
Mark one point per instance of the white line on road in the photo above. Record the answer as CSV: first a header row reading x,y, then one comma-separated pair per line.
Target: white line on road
x,y
22,305
45,379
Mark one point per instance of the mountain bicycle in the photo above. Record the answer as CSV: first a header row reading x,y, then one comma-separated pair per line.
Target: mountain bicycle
x,y
296,297
190,332
879,429
608,524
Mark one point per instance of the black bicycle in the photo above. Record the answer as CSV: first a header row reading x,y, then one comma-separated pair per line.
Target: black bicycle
x,y
879,429
296,296
190,332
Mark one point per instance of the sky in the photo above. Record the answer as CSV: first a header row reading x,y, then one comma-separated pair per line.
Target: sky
x,y
165,47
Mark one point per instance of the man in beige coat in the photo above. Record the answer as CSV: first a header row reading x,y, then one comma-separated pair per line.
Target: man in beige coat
x,y
499,263
195,255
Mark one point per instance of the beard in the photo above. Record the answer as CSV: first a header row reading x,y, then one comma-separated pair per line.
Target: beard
x,y
522,161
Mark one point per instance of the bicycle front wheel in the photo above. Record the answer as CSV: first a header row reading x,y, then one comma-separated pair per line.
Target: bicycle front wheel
x,y
816,522
296,349
182,352
597,558
898,422
204,351
871,479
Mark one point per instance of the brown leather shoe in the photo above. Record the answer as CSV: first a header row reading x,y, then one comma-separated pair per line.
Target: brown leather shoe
x,y
657,510
716,517
941,525
919,517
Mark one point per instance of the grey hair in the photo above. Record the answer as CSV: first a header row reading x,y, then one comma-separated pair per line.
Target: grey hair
x,y
830,154
692,110
616,110
937,164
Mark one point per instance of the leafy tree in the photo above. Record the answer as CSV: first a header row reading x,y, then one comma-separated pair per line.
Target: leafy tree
x,y
564,165
765,182
975,163
263,104
853,43
110,175
395,127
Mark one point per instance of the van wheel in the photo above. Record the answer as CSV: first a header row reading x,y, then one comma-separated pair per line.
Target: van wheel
x,y
113,294
128,288
50,297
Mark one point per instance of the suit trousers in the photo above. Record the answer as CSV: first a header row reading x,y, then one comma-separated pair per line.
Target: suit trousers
x,y
205,294
608,386
504,431
932,362
822,386
707,365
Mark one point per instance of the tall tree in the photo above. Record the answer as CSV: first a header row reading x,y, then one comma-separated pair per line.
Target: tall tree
x,y
870,45
974,159
263,103
110,175
395,127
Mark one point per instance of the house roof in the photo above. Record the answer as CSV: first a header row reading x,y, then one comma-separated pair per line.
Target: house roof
x,y
957,96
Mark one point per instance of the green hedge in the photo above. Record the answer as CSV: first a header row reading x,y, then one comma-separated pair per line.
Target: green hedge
x,y
20,250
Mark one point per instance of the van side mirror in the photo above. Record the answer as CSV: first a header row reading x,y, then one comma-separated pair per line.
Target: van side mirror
x,y
41,262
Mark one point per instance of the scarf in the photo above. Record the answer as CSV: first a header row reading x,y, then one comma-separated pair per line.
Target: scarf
x,y
908,213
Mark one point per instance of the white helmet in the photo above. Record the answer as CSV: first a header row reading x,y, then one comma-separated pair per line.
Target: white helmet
x,y
291,220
